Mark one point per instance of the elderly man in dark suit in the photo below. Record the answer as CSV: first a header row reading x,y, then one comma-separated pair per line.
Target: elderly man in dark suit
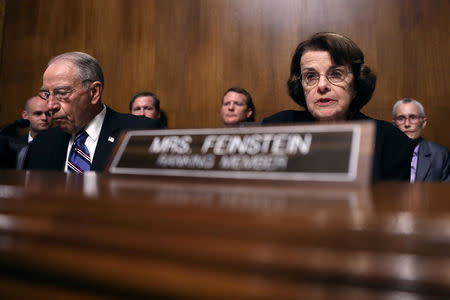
x,y
431,162
86,129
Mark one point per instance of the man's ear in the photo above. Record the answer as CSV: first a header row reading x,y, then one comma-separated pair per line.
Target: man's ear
x,y
95,90
249,113
424,123
24,115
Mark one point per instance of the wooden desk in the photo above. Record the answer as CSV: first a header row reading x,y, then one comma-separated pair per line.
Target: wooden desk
x,y
100,236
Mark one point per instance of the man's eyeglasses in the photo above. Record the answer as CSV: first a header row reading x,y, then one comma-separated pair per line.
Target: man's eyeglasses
x,y
61,94
413,119
334,76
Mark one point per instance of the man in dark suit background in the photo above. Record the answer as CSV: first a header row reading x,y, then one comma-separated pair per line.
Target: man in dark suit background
x,y
147,104
237,107
86,128
36,111
431,162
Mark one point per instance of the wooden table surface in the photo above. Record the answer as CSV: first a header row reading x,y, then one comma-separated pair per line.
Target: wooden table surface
x,y
100,236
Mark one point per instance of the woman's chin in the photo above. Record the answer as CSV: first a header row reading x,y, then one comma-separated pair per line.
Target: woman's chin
x,y
326,117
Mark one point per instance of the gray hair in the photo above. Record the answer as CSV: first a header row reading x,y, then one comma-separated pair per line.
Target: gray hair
x,y
89,69
408,100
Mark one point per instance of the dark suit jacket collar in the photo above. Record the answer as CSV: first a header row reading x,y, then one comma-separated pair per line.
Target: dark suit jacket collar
x,y
110,131
17,143
22,140
423,160
59,152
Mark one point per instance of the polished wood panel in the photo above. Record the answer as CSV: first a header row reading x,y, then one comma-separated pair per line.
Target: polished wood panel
x,y
190,51
2,21
100,236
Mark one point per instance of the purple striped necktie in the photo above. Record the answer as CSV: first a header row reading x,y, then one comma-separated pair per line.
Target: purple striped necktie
x,y
79,160
414,164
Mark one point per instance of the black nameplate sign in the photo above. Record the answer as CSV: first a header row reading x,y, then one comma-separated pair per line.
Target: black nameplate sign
x,y
329,153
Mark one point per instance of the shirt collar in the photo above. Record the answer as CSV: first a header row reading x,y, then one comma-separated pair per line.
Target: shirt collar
x,y
94,127
30,138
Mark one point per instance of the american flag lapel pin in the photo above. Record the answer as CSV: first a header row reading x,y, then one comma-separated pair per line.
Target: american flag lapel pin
x,y
111,139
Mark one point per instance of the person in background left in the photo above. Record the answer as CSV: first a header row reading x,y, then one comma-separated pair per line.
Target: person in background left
x,y
431,162
237,107
36,111
86,129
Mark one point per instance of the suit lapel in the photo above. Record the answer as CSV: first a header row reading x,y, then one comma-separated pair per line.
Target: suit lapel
x,y
104,144
61,154
23,139
424,161
59,143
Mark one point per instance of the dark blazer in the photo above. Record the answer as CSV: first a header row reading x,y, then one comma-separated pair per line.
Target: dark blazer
x,y
48,150
20,142
433,162
10,147
393,149
7,155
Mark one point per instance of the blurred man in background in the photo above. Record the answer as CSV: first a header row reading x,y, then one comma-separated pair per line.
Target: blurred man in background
x,y
36,111
430,161
147,104
237,107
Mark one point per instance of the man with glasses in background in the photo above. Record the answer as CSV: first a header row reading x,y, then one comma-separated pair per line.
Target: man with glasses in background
x,y
430,161
86,129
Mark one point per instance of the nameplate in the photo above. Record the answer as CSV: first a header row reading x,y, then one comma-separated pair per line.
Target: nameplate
x,y
319,153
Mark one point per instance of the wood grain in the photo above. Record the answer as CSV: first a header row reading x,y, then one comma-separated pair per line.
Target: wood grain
x,y
166,238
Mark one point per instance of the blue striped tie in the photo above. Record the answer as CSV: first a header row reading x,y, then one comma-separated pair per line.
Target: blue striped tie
x,y
79,159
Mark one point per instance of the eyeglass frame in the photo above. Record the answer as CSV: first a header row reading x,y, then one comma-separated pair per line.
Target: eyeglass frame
x,y
346,72
409,119
69,92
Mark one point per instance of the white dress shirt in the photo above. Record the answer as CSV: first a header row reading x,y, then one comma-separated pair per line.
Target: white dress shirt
x,y
93,129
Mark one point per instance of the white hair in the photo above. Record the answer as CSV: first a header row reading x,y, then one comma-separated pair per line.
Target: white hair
x,y
405,101
88,67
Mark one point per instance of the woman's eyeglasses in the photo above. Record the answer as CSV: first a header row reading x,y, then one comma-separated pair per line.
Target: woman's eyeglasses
x,y
334,76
